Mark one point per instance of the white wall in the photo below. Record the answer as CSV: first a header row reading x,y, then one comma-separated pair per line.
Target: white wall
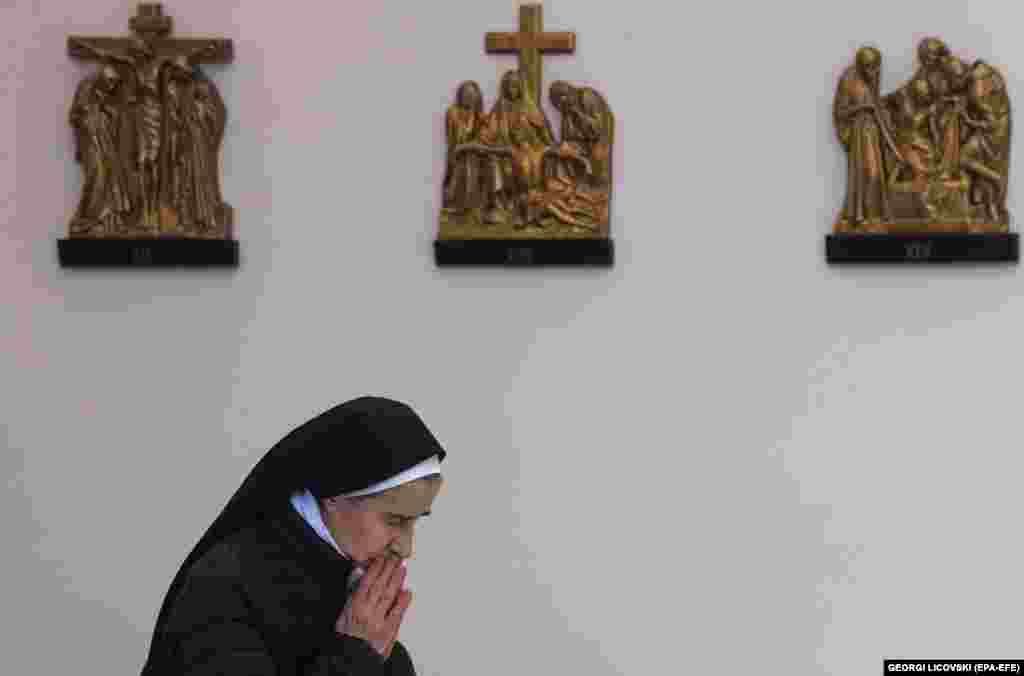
x,y
719,449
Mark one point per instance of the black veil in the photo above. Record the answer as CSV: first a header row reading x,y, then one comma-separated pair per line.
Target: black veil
x,y
348,448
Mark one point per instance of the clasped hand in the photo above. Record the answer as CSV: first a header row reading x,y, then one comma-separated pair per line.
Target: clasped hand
x,y
376,608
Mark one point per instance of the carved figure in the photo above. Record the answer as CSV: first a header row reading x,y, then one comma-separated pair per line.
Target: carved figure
x,y
587,128
467,159
516,123
195,126
933,156
96,118
149,128
864,129
531,183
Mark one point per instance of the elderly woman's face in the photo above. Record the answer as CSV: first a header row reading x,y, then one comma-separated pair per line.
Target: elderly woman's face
x,y
382,525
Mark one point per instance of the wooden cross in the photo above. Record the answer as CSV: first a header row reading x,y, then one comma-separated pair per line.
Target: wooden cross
x,y
152,26
530,43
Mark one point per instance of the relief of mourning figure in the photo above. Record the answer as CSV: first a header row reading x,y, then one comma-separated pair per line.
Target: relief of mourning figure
x,y
587,127
96,117
932,156
932,53
196,118
467,158
863,127
518,134
915,115
984,156
578,173
952,103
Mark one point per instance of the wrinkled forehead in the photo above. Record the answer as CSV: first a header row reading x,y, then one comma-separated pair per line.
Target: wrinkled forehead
x,y
412,499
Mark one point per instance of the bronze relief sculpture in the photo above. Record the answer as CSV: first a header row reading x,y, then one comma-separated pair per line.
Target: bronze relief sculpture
x,y
514,190
927,165
148,128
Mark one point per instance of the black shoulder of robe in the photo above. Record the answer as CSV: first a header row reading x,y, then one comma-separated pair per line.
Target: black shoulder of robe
x,y
263,602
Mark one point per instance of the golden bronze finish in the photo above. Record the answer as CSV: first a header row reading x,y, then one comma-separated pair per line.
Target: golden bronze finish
x,y
931,157
508,175
148,128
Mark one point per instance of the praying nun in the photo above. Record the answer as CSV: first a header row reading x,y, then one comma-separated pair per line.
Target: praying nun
x,y
302,573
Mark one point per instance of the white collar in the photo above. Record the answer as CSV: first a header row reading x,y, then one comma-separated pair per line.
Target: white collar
x,y
306,505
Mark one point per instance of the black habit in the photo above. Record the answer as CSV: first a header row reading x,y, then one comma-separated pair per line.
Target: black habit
x,y
260,593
